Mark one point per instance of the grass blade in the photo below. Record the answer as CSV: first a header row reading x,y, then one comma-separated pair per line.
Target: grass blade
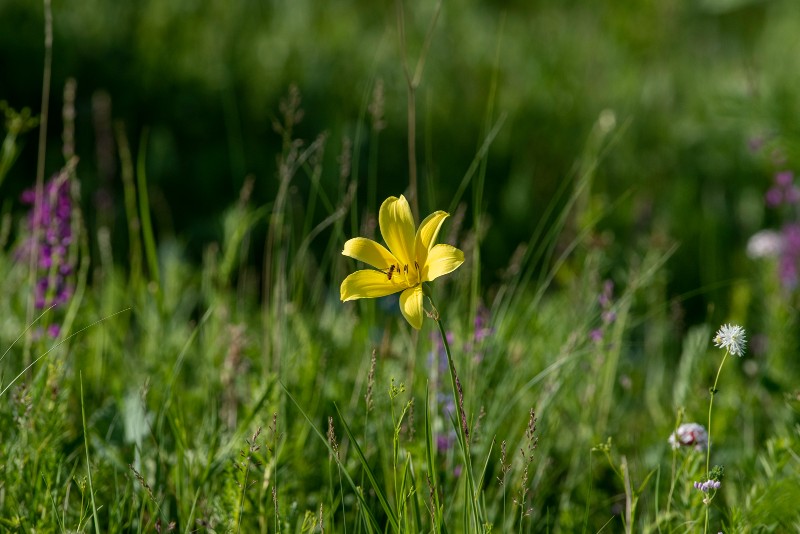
x,y
359,495
381,497
88,463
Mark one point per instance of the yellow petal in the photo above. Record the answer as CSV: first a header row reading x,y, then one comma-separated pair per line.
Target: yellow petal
x,y
370,252
411,306
427,232
397,228
367,284
442,259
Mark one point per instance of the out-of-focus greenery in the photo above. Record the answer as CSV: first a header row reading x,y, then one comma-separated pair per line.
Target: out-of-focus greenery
x,y
689,84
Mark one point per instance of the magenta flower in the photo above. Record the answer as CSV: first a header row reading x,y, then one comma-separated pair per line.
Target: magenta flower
x,y
783,192
50,223
790,255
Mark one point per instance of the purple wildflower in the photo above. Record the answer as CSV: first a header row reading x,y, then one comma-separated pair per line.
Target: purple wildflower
x,y
787,270
784,179
790,255
783,192
445,441
50,222
791,236
774,197
708,485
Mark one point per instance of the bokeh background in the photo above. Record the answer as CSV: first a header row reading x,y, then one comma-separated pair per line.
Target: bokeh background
x,y
699,100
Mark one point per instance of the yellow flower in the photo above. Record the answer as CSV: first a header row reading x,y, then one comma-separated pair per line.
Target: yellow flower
x,y
410,259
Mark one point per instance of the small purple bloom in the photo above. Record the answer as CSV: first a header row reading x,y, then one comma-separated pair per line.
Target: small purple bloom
x,y
596,335
445,441
774,197
708,485
787,271
790,255
784,179
783,192
791,236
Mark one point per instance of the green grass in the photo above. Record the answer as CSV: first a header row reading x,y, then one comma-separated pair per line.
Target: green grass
x,y
188,401
238,394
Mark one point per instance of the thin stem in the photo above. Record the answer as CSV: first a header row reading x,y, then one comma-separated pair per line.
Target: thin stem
x,y
673,479
412,150
708,448
458,399
671,488
710,405
395,451
629,501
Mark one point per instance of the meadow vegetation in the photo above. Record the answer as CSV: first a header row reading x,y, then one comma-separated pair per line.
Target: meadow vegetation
x,y
617,352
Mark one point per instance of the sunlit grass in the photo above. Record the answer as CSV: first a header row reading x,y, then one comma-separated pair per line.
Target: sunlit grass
x,y
198,408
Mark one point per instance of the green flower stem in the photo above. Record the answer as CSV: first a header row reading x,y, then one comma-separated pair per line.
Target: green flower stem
x,y
713,392
462,416
710,405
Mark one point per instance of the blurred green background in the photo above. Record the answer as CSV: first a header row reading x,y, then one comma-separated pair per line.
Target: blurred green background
x,y
699,99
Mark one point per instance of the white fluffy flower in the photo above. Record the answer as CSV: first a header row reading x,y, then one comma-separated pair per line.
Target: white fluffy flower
x,y
731,338
765,244
690,435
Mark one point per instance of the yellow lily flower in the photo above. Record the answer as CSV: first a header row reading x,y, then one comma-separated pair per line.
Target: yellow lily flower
x,y
410,260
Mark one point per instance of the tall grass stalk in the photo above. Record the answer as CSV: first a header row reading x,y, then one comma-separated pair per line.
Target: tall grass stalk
x,y
131,212
412,83
40,165
148,235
